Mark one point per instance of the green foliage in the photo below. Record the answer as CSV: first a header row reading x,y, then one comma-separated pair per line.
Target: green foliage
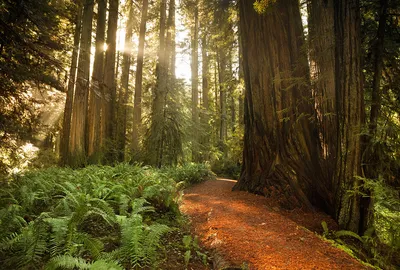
x,y
261,6
381,241
191,245
190,173
99,217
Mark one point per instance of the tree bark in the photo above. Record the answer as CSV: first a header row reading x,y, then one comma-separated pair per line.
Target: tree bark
x,y
155,140
94,150
205,108
64,145
137,106
222,66
80,105
108,106
280,144
349,98
322,69
125,92
195,82
378,66
171,51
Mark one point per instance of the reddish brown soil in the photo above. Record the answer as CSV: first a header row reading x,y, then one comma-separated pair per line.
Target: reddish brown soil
x,y
251,229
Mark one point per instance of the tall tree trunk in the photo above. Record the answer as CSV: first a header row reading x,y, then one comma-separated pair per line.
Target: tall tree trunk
x,y
322,56
195,81
349,110
137,106
125,92
241,85
205,109
64,145
280,144
108,106
156,137
94,150
222,79
171,50
80,105
378,66
231,90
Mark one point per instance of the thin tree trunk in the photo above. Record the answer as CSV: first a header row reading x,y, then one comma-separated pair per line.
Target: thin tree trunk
x,y
108,106
80,105
205,93
378,66
195,82
64,145
126,65
94,150
155,141
231,96
137,106
241,84
171,50
222,98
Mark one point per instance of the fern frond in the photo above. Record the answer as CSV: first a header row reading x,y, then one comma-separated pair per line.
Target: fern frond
x,y
106,265
67,262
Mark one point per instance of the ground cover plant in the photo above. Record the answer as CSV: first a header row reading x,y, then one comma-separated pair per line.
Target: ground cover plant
x,y
99,217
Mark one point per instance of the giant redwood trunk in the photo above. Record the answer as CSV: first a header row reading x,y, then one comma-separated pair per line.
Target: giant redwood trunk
x,y
77,148
280,144
336,76
322,69
349,100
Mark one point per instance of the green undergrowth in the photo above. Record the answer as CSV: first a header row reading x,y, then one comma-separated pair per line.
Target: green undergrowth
x,y
99,217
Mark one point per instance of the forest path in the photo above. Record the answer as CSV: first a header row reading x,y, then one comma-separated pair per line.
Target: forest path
x,y
246,228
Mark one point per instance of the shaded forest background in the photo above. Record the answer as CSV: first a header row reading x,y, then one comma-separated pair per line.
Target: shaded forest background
x,y
296,99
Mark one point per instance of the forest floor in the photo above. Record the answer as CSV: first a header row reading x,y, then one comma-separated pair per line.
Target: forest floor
x,y
253,232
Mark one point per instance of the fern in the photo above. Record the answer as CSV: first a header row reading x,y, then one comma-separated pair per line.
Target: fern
x,y
66,262
139,242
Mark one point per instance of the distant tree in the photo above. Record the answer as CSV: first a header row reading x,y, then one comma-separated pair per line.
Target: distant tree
x,y
155,140
125,91
194,32
77,146
66,126
97,87
109,100
137,109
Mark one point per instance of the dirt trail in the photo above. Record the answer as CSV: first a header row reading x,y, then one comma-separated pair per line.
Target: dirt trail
x,y
251,229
